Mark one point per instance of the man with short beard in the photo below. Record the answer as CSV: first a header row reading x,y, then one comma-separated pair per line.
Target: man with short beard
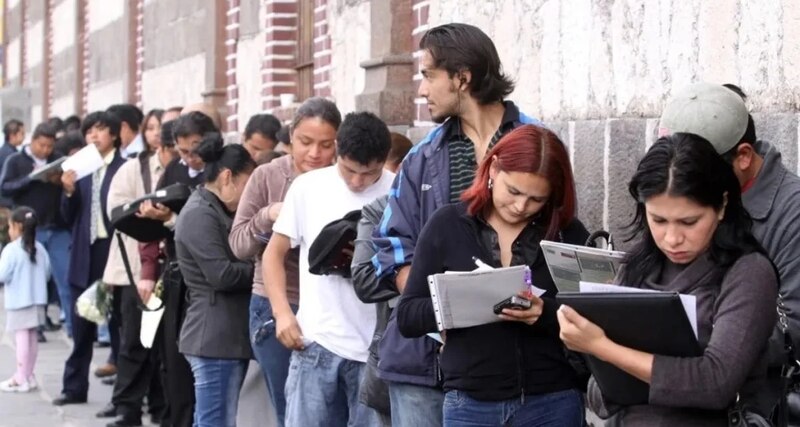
x,y
465,89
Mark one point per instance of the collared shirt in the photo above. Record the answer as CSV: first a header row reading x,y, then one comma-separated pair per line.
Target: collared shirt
x,y
37,162
193,173
463,162
102,233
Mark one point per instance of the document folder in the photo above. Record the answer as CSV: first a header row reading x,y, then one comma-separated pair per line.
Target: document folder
x,y
646,321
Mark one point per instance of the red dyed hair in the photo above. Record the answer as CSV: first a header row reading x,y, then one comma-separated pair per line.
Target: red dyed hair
x,y
530,149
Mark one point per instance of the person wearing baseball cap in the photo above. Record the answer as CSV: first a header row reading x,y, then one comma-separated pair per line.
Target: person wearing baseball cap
x,y
770,193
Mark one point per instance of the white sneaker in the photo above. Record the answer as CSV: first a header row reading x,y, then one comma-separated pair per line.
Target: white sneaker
x,y
10,385
32,384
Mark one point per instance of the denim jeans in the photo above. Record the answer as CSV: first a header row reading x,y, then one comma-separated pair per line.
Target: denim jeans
x,y
558,409
57,242
414,405
216,389
322,391
272,356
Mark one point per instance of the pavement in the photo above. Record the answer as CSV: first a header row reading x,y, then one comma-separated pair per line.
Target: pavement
x,y
35,409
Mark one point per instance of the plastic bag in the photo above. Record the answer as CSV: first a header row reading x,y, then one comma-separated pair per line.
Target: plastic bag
x,y
94,303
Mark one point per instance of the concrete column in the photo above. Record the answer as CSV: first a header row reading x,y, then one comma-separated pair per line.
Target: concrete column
x,y
215,92
389,87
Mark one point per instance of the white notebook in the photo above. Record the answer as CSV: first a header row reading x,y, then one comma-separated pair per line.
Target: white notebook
x,y
466,299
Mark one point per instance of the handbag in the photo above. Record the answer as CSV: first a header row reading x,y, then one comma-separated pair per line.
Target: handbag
x,y
740,416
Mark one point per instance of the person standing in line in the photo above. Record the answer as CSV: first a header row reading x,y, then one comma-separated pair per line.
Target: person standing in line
x,y
83,206
465,88
25,270
259,135
331,325
214,336
314,131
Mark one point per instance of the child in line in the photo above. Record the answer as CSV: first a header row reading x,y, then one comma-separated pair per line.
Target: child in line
x,y
25,270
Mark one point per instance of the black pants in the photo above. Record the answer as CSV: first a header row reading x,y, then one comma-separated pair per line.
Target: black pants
x,y
114,324
136,365
178,377
84,332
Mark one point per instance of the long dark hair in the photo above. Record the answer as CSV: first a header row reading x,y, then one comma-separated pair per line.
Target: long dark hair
x,y
686,165
27,217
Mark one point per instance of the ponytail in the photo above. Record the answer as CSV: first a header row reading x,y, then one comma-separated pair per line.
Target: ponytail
x,y
27,217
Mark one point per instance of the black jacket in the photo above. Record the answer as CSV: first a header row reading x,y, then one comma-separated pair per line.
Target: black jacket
x,y
6,150
501,360
43,197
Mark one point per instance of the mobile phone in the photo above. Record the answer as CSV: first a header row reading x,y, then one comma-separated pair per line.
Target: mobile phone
x,y
515,303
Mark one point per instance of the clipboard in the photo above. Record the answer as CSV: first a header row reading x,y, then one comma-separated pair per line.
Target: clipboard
x,y
653,322
41,173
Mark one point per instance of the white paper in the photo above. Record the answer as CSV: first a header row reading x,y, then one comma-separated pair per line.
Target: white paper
x,y
150,321
85,162
689,301
436,337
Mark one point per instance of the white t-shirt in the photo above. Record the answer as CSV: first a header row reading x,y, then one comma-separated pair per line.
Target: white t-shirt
x,y
330,313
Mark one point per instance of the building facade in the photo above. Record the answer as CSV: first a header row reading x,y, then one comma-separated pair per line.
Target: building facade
x,y
596,71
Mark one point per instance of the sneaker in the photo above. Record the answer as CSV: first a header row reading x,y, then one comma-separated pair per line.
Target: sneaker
x,y
11,386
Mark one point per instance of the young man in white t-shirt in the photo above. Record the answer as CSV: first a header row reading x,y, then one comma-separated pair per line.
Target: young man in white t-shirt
x,y
332,331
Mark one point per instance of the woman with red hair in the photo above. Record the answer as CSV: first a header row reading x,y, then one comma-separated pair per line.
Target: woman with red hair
x,y
512,372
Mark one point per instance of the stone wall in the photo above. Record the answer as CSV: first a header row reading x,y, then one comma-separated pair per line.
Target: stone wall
x,y
348,22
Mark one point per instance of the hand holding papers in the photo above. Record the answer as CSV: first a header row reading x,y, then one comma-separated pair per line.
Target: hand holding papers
x,y
663,323
85,162
466,298
47,170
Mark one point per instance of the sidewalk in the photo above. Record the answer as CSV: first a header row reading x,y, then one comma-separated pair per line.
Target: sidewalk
x,y
35,409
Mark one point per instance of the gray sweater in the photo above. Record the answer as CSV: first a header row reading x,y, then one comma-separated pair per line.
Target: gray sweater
x,y
735,319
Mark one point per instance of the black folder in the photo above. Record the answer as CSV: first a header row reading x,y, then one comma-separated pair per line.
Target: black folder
x,y
653,322
125,220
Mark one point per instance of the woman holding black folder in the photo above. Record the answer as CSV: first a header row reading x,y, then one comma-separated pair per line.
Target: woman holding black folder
x,y
694,238
513,372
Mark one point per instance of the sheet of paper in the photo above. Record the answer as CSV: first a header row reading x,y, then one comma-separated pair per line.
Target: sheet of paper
x,y
689,302
85,162
42,173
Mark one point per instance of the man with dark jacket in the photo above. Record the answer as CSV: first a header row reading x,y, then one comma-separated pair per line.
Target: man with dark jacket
x,y
465,88
43,195
83,206
770,193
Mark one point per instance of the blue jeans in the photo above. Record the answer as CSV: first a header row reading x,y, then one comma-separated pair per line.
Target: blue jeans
x,y
57,242
272,356
322,391
216,389
559,409
414,405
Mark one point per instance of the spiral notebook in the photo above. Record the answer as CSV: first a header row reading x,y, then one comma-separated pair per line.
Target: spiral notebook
x,y
464,299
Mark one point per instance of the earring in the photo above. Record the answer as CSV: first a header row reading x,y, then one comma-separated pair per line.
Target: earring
x,y
490,183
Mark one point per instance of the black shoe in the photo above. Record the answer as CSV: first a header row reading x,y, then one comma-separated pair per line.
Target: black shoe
x,y
155,419
110,411
40,336
109,380
51,326
102,344
126,422
66,399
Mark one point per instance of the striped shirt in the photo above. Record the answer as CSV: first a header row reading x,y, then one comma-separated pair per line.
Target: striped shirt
x,y
463,163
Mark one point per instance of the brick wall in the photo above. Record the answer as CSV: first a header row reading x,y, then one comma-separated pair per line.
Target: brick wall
x,y
277,72
419,16
231,39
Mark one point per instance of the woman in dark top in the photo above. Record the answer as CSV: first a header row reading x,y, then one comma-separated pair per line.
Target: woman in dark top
x,y
513,372
694,239
214,336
